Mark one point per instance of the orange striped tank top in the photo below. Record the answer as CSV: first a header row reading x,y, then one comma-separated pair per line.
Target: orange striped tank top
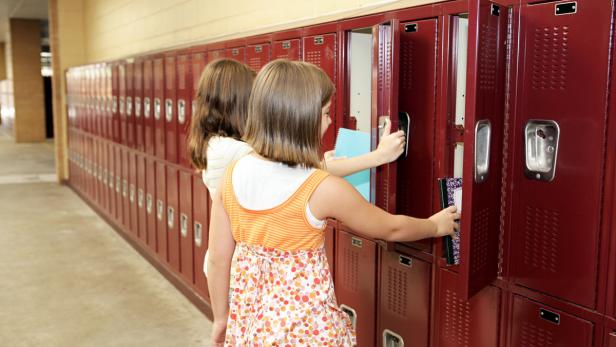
x,y
283,227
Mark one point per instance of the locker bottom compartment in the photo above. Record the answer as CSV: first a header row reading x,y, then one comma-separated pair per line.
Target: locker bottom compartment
x,y
186,227
610,333
200,234
161,212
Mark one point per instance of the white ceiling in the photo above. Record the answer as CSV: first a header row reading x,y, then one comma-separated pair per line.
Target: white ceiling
x,y
32,9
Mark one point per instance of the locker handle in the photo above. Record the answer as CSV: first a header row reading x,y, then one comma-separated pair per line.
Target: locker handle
x,y
184,225
121,105
105,174
181,111
541,149
391,339
549,316
351,313
483,134
156,108
168,110
146,107
115,104
140,198
148,204
131,194
111,180
124,188
129,106
159,209
137,107
118,184
198,234
170,217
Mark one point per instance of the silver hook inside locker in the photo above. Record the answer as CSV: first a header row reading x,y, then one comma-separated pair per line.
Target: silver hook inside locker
x,y
541,147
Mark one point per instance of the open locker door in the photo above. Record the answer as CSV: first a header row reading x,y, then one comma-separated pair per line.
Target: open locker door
x,y
384,108
483,126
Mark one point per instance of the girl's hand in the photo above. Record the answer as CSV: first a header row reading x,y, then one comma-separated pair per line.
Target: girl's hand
x,y
219,329
391,146
445,221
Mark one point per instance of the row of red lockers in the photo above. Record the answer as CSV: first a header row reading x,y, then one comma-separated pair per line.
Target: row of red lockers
x,y
549,260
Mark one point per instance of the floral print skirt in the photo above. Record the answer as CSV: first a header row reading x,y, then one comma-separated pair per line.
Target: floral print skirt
x,y
284,298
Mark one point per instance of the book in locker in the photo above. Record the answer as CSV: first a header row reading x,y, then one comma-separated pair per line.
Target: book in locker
x,y
451,195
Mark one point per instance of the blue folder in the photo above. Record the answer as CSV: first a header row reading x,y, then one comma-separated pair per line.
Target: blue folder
x,y
352,143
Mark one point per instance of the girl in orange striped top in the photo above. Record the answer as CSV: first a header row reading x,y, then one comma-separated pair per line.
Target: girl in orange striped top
x,y
268,215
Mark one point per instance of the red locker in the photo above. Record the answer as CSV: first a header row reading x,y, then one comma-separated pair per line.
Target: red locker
x,y
148,107
109,118
171,126
404,300
117,156
130,120
534,324
158,107
115,94
610,333
287,49
186,227
126,213
122,102
142,226
100,100
150,203
184,106
461,322
138,104
201,222
111,180
554,242
161,212
236,50
100,186
320,49
87,79
215,53
173,228
257,55
132,194
198,61
355,280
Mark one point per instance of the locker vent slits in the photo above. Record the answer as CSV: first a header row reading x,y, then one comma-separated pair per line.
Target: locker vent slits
x,y
457,326
350,270
550,58
314,57
541,238
480,240
397,282
407,49
534,336
488,51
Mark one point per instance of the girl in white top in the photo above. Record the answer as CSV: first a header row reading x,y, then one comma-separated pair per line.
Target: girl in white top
x,y
218,125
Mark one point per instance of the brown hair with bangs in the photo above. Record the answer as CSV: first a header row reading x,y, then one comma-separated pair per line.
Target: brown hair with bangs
x,y
284,112
220,107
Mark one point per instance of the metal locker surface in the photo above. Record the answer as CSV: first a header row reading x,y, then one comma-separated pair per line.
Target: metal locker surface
x,y
132,194
111,196
201,224
169,109
286,49
109,114
160,210
98,146
417,84
257,56
561,116
462,322
100,100
404,300
138,104
186,227
126,214
237,53
483,124
535,324
117,157
610,336
320,50
148,107
115,94
142,217
128,107
122,102
158,106
215,54
173,225
150,203
184,105
355,280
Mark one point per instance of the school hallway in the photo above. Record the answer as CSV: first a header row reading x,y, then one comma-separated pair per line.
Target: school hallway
x,y
67,278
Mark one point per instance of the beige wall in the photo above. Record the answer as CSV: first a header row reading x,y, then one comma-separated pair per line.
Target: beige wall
x,y
2,61
118,28
66,30
25,54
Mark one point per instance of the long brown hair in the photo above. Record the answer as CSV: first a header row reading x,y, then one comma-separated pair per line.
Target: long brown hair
x,y
220,107
284,112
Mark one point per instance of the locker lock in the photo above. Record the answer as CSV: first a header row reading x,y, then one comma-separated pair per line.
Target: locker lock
x,y
159,209
137,107
184,224
168,110
198,234
170,217
181,111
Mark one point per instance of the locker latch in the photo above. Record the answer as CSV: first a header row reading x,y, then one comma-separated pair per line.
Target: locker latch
x,y
541,149
198,234
549,316
318,40
566,8
411,28
495,10
184,225
391,339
